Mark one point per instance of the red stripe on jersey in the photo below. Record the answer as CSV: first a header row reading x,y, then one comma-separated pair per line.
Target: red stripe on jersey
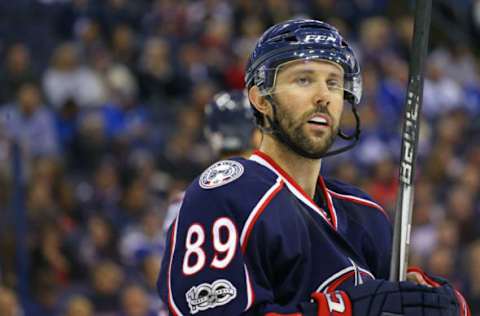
x,y
358,200
284,174
259,210
291,182
330,207
333,286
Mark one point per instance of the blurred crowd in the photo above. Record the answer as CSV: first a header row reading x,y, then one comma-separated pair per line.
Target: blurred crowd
x,y
101,125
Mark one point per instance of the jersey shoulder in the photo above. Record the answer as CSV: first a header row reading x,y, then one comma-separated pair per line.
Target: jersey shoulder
x,y
234,186
234,173
349,193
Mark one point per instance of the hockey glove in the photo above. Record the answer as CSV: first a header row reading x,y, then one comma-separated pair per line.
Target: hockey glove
x,y
384,298
441,282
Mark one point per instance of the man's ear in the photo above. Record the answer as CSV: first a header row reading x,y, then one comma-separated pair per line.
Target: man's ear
x,y
259,101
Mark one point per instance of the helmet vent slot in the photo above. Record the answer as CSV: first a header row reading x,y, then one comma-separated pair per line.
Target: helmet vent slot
x,y
287,36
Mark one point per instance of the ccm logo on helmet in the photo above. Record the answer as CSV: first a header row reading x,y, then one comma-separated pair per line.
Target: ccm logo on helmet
x,y
312,38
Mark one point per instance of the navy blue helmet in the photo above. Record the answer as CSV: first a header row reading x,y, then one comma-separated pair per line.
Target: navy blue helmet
x,y
229,122
302,39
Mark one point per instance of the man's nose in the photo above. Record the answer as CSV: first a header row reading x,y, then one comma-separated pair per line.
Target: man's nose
x,y
321,95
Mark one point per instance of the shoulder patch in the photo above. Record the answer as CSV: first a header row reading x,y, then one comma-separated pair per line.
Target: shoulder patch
x,y
220,173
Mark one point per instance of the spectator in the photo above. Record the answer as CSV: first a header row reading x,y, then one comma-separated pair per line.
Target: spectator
x,y
107,189
137,200
150,271
45,292
460,204
448,235
426,215
30,123
125,119
135,302
142,240
123,44
79,306
9,305
469,178
89,37
441,263
98,244
105,287
158,78
66,78
375,38
16,71
50,256
384,184
441,93
92,142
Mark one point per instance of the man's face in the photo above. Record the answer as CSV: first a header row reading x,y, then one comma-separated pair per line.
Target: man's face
x,y
29,99
309,98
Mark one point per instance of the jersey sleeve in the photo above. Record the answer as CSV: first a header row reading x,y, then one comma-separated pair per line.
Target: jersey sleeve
x,y
203,269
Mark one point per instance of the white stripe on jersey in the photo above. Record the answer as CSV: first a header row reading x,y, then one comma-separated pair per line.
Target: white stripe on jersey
x,y
249,289
358,200
338,275
256,209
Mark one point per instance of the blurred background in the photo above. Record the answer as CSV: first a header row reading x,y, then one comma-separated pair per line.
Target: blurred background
x,y
101,126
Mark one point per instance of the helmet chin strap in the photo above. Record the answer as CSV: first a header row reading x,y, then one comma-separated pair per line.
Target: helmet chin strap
x,y
280,134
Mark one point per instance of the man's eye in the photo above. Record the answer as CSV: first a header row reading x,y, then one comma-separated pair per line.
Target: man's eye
x,y
335,84
303,81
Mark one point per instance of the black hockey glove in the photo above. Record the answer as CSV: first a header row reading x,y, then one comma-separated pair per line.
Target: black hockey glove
x,y
384,298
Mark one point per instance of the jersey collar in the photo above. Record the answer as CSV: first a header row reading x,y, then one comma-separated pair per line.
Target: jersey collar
x,y
268,162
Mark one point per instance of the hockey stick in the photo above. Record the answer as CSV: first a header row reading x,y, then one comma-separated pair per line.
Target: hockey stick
x,y
410,131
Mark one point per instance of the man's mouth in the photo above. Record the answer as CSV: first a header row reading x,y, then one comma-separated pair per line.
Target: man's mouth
x,y
319,119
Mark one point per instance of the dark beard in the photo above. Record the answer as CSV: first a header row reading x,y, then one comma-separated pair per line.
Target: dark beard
x,y
295,134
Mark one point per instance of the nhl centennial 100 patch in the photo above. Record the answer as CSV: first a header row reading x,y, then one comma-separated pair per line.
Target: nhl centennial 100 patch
x,y
220,173
205,295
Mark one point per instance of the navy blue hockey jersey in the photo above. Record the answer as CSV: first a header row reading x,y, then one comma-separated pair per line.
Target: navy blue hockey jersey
x,y
248,240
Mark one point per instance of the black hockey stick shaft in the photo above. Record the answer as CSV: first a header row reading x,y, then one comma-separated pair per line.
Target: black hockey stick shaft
x,y
410,133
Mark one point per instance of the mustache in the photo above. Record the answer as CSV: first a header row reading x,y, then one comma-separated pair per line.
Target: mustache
x,y
317,110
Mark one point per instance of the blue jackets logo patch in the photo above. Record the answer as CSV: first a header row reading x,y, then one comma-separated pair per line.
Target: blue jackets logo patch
x,y
220,173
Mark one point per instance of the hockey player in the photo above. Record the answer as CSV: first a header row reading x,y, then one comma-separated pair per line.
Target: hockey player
x,y
269,235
